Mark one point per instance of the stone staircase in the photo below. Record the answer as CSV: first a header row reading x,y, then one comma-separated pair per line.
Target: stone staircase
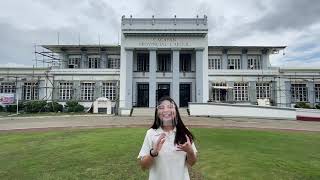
x,y
140,111
149,112
183,112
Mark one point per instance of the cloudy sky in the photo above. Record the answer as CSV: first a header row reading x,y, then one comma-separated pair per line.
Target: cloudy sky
x,y
293,23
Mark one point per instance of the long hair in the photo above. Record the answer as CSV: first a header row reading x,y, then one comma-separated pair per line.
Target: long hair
x,y
181,129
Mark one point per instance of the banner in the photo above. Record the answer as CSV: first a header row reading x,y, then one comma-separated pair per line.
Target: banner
x,y
6,98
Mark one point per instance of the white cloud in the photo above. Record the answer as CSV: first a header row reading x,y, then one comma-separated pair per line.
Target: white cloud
x,y
248,22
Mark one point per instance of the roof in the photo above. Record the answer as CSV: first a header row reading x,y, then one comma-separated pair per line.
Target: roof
x,y
249,47
60,48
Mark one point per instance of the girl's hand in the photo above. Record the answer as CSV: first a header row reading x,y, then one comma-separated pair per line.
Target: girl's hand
x,y
157,147
186,147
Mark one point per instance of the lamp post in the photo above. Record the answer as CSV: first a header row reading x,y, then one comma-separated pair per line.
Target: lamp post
x,y
17,100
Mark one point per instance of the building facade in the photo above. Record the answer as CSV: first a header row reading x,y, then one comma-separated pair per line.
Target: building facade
x,y
158,57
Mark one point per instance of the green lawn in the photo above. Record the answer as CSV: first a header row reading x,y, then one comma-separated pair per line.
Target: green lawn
x,y
111,154
23,114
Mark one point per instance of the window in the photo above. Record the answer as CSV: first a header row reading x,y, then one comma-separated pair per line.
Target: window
x,y
7,87
233,62
254,62
164,62
185,63
113,62
218,93
263,90
30,91
65,90
74,62
94,62
109,90
240,91
317,92
143,62
87,91
214,62
299,93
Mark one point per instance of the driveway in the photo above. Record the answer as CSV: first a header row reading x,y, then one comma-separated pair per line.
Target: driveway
x,y
102,121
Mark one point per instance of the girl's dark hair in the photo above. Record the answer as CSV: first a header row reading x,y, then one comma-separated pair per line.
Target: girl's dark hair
x,y
180,127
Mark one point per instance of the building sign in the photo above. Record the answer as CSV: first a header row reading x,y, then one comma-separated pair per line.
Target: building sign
x,y
164,42
6,98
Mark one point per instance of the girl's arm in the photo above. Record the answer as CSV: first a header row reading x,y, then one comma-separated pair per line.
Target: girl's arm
x,y
146,162
191,158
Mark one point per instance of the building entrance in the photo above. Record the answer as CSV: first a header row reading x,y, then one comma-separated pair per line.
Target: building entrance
x,y
163,90
184,95
143,95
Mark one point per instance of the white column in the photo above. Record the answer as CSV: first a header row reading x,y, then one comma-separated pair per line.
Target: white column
x,y
129,70
283,93
176,76
103,60
200,78
152,77
19,89
84,60
126,79
252,93
265,59
65,58
42,90
311,92
244,59
225,59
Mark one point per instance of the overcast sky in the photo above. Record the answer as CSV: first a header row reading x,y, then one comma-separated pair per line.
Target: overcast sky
x,y
293,23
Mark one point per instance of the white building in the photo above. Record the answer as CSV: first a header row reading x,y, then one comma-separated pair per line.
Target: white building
x,y
163,56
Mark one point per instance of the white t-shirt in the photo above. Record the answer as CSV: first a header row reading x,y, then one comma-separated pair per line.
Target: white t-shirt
x,y
170,163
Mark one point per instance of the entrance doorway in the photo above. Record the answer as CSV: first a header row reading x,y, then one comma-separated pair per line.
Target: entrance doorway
x,y
184,95
163,90
143,95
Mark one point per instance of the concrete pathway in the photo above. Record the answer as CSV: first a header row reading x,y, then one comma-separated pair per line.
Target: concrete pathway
x,y
101,121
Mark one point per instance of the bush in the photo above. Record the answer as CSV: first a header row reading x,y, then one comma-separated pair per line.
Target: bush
x,y
302,105
1,108
74,106
54,107
78,108
317,106
35,106
13,107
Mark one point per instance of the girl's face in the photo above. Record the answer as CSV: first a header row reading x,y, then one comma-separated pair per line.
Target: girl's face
x,y
166,111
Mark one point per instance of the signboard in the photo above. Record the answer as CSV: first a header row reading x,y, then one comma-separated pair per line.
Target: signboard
x,y
164,42
6,98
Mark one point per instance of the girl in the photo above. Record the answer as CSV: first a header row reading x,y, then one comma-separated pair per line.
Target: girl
x,y
168,145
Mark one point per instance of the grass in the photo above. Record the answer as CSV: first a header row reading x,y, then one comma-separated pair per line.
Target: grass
x,y
23,114
111,154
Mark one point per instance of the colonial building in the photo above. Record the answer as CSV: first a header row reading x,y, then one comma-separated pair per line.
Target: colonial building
x,y
163,56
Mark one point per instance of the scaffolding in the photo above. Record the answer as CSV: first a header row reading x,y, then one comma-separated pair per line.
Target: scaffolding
x,y
47,58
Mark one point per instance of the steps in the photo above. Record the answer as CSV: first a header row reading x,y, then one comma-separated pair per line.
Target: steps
x,y
149,112
139,111
183,112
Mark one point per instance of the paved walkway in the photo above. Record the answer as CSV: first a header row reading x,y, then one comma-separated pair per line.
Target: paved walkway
x,y
94,121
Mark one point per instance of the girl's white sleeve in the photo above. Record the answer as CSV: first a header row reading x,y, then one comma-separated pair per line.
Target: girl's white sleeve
x,y
146,146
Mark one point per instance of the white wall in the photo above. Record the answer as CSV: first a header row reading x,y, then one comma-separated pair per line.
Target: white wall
x,y
229,110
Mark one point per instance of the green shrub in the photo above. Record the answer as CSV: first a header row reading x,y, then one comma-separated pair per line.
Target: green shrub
x,y
74,106
78,108
317,106
302,105
35,106
54,107
11,108
1,108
